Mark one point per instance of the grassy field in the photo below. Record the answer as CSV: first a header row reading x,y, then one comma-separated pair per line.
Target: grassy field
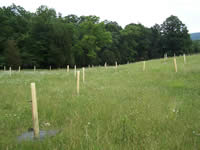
x,y
127,108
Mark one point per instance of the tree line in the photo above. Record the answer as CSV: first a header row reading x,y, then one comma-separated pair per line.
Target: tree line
x,y
47,38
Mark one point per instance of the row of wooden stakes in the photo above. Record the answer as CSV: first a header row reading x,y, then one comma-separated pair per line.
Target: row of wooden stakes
x,y
76,73
105,65
36,130
19,70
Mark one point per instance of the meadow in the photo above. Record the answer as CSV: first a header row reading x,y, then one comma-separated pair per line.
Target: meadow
x,y
117,109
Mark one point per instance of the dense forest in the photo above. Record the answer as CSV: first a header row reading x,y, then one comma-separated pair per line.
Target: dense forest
x,y
47,38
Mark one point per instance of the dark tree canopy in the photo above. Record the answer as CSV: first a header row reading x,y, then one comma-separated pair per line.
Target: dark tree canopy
x,y
176,39
47,38
11,54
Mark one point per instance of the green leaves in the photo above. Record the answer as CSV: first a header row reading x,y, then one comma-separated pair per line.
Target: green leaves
x,y
176,39
46,38
92,38
12,55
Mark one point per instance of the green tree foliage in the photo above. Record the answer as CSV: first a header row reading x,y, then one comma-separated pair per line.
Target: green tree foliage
x,y
12,55
156,45
41,28
114,47
46,38
92,37
135,43
14,25
195,46
109,57
128,44
61,40
176,39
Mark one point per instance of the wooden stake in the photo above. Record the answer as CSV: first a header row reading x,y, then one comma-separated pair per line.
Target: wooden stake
x,y
67,68
184,58
143,65
34,68
116,65
4,68
75,70
175,65
83,74
50,68
78,77
165,57
10,71
19,68
105,65
35,112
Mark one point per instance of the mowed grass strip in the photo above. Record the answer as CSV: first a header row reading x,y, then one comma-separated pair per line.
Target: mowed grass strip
x,y
123,108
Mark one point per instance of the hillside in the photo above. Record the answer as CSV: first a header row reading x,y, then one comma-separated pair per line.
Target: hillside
x,y
195,36
117,109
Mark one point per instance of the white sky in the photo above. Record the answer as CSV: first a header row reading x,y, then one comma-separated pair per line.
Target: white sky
x,y
147,12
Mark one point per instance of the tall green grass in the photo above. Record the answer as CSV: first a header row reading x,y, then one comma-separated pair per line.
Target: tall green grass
x,y
127,108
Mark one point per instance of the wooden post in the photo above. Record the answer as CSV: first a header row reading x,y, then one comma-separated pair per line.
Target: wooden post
x,y
175,65
143,65
4,68
10,71
67,68
105,65
116,65
34,68
184,58
78,77
83,74
19,68
75,70
165,57
50,68
35,112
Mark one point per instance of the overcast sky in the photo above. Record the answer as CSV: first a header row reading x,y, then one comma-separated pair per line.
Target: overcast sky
x,y
147,12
